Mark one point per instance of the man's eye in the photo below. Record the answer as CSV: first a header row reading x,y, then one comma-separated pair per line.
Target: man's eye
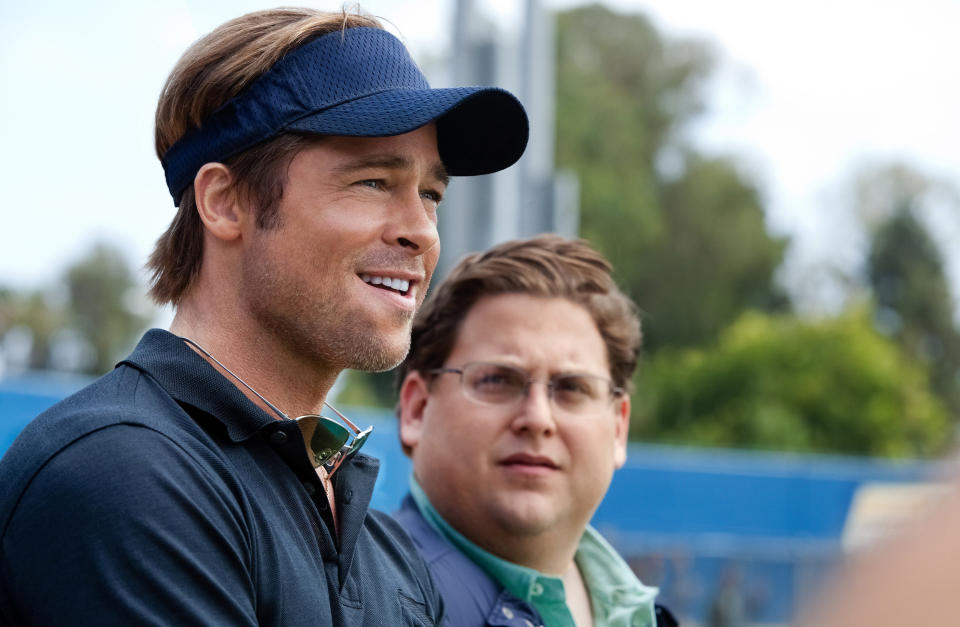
x,y
371,183
432,196
576,387
493,380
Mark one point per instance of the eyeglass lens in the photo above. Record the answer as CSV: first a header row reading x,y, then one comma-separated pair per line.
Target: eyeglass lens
x,y
497,384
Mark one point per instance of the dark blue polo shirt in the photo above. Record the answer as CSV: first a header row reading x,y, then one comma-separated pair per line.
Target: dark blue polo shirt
x,y
160,495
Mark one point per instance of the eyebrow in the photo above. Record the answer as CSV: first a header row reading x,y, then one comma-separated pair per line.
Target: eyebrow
x,y
393,162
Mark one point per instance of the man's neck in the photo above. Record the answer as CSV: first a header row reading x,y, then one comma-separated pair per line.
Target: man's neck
x,y
276,374
578,597
550,552
294,385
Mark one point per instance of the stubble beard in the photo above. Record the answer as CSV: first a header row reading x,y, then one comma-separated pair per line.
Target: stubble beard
x,y
317,325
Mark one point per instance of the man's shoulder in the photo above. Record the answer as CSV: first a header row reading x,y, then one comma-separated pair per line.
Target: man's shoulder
x,y
432,546
83,516
470,596
125,397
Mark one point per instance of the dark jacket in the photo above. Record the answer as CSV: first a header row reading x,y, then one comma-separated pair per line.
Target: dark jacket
x,y
470,597
161,495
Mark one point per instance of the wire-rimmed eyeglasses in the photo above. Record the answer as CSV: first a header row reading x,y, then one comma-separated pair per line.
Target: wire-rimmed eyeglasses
x,y
491,383
328,442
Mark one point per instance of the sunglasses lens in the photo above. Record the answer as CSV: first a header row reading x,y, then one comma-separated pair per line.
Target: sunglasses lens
x,y
324,438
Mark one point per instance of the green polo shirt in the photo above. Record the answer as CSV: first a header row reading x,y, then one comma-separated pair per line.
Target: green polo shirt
x,y
617,596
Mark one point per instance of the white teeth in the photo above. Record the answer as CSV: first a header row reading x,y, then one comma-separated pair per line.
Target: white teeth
x,y
400,285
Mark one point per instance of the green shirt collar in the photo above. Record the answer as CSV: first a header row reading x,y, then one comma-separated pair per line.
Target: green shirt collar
x,y
617,595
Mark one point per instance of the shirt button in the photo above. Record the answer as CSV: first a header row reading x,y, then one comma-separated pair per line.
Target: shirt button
x,y
310,488
536,589
507,612
278,437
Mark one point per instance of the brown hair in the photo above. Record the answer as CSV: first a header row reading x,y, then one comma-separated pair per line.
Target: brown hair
x,y
547,265
212,71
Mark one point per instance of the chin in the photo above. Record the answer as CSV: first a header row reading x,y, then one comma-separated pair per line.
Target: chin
x,y
530,519
379,356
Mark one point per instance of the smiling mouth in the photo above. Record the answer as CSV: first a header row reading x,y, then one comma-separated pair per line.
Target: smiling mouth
x,y
399,286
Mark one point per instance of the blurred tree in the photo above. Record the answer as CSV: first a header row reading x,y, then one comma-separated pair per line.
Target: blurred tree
x,y
780,382
35,316
85,323
685,232
914,305
714,261
880,190
99,287
367,389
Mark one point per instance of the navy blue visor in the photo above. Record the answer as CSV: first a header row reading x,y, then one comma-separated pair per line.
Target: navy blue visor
x,y
357,82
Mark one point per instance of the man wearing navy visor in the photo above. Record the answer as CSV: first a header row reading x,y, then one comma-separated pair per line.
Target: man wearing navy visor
x,y
202,482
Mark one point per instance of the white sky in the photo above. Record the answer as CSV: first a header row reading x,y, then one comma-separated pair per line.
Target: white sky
x,y
806,90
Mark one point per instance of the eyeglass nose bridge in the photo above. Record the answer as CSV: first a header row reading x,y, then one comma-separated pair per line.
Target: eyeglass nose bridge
x,y
549,384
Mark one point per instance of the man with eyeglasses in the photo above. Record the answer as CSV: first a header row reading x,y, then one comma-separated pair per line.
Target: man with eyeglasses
x,y
198,482
514,408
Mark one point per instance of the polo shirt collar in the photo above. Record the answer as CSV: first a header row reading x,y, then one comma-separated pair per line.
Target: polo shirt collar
x,y
618,597
191,380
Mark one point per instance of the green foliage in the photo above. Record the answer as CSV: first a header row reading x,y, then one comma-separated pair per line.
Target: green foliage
x,y
619,94
905,270
779,382
99,286
690,247
37,312
93,310
714,261
367,389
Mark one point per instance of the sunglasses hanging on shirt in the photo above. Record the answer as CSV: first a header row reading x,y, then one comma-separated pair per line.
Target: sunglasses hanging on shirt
x,y
327,441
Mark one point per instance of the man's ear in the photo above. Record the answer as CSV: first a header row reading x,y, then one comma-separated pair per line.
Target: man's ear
x,y
413,402
622,417
216,200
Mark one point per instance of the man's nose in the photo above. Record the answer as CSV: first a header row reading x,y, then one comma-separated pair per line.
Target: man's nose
x,y
412,222
535,411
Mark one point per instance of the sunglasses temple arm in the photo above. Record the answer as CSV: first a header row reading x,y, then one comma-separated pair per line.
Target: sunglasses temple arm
x,y
241,381
350,424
